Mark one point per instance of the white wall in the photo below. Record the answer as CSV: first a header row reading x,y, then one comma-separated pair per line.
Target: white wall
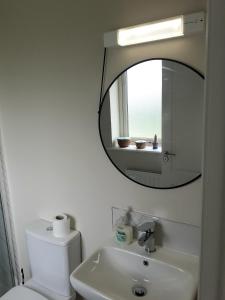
x,y
50,69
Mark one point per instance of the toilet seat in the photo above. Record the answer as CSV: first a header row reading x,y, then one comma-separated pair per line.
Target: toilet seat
x,y
22,293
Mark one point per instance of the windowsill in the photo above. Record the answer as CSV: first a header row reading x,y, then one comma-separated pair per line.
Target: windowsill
x,y
133,148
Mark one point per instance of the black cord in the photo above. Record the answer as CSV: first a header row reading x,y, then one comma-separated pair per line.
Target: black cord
x,y
102,80
22,275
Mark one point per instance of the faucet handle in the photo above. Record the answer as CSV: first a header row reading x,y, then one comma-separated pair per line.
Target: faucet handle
x,y
148,226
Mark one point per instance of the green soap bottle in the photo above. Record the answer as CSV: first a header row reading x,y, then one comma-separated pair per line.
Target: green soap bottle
x,y
124,234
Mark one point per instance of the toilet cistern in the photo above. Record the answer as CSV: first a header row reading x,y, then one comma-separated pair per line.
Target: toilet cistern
x,y
146,236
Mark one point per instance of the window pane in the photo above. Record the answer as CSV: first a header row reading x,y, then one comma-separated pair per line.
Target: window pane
x,y
144,85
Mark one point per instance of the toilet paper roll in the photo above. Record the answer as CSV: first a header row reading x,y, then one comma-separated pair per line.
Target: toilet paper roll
x,y
61,225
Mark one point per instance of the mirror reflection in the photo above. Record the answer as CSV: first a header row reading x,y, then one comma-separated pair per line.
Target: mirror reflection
x,y
150,123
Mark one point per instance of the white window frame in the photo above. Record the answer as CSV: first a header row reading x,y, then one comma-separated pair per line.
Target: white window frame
x,y
123,105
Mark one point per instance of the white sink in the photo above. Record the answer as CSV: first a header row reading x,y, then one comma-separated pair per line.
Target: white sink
x,y
114,273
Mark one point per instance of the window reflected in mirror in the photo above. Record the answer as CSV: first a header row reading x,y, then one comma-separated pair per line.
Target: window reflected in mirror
x,y
136,109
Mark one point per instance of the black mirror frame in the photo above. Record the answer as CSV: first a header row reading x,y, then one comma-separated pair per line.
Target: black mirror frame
x,y
99,117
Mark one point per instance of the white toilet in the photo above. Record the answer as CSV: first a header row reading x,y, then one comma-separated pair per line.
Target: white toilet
x,y
52,260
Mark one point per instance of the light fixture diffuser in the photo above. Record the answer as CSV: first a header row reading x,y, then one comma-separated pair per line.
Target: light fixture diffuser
x,y
158,30
148,32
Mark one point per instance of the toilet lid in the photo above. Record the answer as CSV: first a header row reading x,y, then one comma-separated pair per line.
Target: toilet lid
x,y
22,293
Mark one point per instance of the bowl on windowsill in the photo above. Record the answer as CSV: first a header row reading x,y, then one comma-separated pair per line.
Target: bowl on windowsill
x,y
123,142
140,144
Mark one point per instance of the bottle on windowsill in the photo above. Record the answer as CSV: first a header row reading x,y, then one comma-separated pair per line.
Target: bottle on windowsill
x,y
155,142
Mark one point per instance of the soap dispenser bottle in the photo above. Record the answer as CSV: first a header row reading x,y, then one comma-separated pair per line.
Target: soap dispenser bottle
x,y
123,231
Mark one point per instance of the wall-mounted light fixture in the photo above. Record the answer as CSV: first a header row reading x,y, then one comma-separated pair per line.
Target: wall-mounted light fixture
x,y
157,30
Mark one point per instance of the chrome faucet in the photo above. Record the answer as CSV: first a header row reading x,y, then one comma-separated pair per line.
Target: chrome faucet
x,y
146,236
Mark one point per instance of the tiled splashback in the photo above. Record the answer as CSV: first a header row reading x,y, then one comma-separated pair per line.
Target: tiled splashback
x,y
179,236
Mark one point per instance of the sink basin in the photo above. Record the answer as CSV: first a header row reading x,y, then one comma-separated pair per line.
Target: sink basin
x,y
122,274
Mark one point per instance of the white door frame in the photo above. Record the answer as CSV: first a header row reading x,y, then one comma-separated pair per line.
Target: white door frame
x,y
8,218
212,274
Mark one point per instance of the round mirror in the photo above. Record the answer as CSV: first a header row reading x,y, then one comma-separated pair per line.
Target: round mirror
x,y
151,123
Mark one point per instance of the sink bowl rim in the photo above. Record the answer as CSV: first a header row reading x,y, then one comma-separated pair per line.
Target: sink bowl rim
x,y
76,281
